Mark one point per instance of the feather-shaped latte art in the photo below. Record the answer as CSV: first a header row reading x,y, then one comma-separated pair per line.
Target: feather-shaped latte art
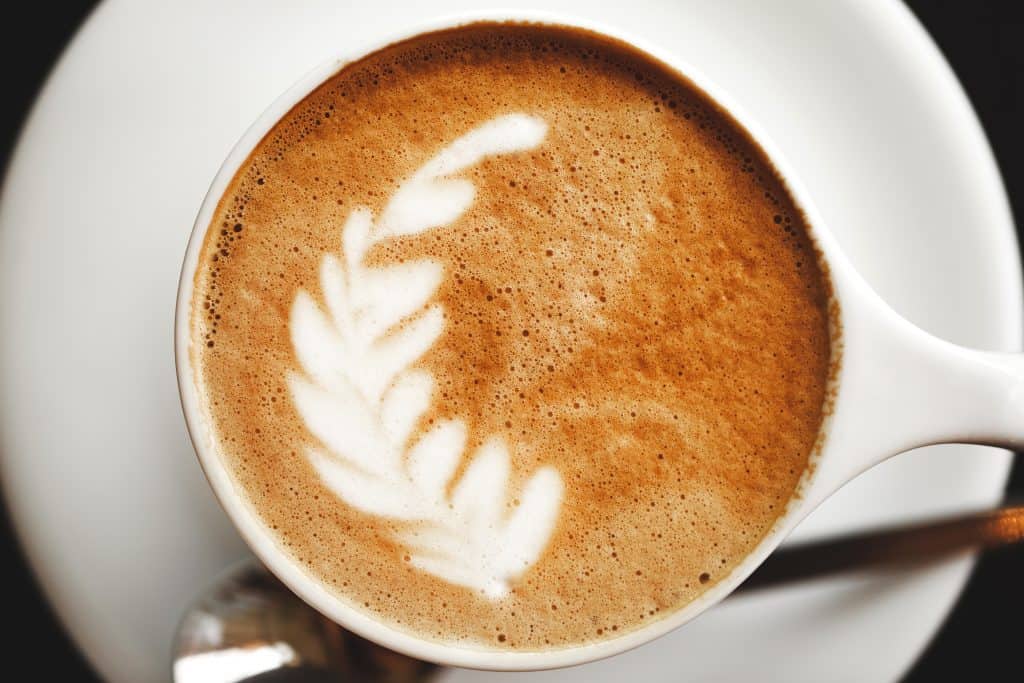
x,y
362,398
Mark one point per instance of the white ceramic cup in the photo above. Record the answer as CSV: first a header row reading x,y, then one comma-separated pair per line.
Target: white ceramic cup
x,y
897,388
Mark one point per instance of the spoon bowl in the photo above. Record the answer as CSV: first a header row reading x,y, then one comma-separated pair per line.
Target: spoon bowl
x,y
248,627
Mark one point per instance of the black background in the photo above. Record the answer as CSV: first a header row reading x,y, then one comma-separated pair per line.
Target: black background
x,y
984,41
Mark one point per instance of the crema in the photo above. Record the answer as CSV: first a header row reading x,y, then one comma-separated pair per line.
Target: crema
x,y
512,337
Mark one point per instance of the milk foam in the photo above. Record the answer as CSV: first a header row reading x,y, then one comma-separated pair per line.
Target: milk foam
x,y
625,301
360,397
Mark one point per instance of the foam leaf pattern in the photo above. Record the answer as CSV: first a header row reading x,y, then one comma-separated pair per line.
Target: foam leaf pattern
x,y
378,309
362,399
432,461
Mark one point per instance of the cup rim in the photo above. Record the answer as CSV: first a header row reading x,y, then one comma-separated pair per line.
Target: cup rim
x,y
261,540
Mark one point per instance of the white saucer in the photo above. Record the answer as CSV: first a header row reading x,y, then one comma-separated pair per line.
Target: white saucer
x,y
102,484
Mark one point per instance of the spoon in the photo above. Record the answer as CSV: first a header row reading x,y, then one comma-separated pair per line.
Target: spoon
x,y
247,627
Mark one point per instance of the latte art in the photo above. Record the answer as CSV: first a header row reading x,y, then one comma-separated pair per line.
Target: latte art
x,y
511,338
362,399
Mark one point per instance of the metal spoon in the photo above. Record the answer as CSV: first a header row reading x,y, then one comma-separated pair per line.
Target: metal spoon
x,y
247,627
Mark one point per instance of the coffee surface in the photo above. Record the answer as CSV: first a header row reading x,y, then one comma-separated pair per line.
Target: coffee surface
x,y
512,337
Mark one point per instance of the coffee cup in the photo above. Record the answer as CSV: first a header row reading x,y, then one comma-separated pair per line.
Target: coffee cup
x,y
890,387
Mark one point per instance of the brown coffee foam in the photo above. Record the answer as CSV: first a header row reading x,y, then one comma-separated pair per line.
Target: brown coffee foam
x,y
635,302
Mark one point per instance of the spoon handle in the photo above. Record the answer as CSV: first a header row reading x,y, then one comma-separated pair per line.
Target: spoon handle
x,y
908,545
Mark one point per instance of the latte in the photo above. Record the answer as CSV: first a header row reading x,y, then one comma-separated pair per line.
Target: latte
x,y
512,337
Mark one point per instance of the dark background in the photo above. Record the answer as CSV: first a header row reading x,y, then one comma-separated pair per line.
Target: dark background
x,y
983,40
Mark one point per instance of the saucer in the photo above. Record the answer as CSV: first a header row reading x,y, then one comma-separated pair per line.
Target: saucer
x,y
99,476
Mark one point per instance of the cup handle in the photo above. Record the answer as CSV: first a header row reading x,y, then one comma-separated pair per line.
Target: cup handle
x,y
969,396
901,387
